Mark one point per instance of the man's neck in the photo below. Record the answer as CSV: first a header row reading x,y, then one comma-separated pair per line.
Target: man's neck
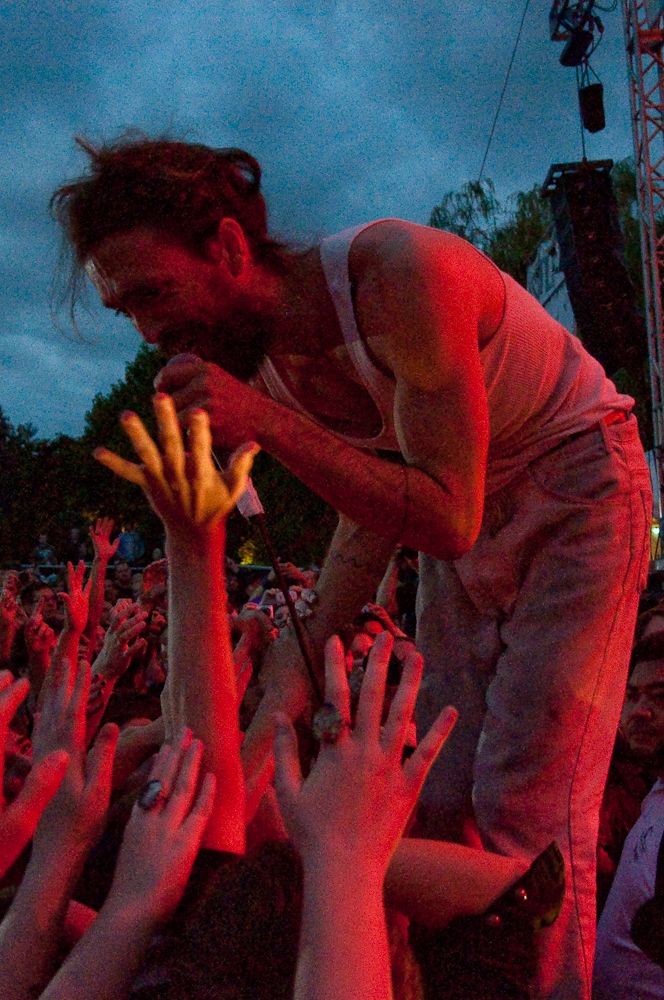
x,y
305,320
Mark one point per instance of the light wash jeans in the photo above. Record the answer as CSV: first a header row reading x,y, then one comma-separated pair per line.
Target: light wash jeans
x,y
529,635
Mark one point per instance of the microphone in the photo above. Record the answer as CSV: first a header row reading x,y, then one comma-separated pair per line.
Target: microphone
x,y
249,503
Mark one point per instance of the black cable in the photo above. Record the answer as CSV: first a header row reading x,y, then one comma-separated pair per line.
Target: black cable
x,y
500,102
259,521
583,134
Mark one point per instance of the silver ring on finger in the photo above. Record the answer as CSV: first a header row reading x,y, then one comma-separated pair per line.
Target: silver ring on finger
x,y
328,724
152,795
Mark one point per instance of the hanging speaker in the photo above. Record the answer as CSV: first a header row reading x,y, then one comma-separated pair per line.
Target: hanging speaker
x,y
591,103
585,215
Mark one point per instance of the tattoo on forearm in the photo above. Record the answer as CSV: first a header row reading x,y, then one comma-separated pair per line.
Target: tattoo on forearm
x,y
350,561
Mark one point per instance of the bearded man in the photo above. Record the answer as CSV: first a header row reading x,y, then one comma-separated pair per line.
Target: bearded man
x,y
432,401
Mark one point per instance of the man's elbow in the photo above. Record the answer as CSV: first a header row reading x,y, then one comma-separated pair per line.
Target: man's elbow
x,y
450,538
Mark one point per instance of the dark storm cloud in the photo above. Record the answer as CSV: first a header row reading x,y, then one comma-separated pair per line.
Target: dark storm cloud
x,y
355,111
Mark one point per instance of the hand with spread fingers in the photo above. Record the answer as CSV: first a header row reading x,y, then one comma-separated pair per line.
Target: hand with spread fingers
x,y
19,820
30,934
193,499
164,832
76,601
358,796
155,575
158,850
76,816
184,488
346,821
122,641
76,604
100,534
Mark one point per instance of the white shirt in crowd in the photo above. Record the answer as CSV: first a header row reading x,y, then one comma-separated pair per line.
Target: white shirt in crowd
x,y
622,971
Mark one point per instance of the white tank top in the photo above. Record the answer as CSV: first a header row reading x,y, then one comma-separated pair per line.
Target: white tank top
x,y
541,384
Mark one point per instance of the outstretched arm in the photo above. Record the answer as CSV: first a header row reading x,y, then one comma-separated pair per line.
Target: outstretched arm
x,y
193,501
104,550
31,933
346,820
156,857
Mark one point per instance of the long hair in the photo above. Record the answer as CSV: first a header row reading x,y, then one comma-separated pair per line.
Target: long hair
x,y
181,188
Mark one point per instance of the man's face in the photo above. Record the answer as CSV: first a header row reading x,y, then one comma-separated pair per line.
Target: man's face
x,y
50,605
123,574
642,718
179,300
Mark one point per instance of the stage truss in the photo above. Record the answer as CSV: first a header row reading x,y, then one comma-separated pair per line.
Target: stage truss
x,y
644,38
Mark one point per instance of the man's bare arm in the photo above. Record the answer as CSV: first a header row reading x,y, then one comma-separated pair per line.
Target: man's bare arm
x,y
354,567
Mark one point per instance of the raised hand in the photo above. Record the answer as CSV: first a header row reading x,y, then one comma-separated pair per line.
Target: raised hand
x,y
8,609
100,534
355,803
183,488
155,575
40,638
9,612
76,601
386,621
74,820
122,641
19,820
160,844
292,574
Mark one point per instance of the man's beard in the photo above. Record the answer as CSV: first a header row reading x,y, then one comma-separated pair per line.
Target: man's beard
x,y
237,345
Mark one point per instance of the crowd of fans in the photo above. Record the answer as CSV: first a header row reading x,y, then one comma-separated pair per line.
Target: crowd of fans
x,y
139,854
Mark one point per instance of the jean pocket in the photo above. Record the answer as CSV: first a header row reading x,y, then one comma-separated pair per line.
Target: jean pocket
x,y
582,471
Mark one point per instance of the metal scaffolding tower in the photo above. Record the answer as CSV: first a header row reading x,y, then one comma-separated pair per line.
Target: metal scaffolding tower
x,y
644,37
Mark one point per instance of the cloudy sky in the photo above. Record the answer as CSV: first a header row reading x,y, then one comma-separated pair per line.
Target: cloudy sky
x,y
355,110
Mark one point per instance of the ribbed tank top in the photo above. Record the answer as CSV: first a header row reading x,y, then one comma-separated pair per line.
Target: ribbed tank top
x,y
541,384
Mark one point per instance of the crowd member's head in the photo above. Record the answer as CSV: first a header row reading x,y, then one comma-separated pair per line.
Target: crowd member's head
x,y
649,622
36,592
175,236
123,578
642,718
111,592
